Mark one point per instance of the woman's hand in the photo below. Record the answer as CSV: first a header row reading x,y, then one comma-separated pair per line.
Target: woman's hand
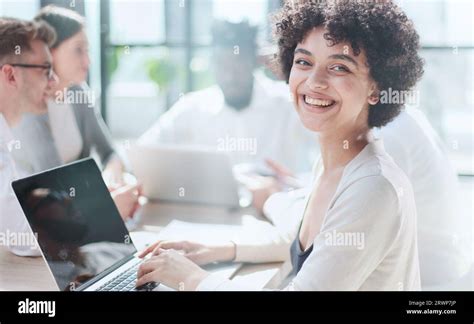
x,y
114,173
171,269
196,252
126,200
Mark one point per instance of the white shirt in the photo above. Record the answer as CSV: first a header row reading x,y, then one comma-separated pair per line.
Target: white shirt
x,y
65,132
373,201
443,234
13,223
268,128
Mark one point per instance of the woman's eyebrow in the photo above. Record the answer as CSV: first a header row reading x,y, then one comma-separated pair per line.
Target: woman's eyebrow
x,y
303,51
334,56
345,58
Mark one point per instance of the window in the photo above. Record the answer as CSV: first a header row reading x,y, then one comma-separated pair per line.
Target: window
x,y
446,91
25,9
137,22
146,53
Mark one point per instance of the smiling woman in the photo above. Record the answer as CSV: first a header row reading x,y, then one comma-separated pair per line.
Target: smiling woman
x,y
337,57
331,90
383,32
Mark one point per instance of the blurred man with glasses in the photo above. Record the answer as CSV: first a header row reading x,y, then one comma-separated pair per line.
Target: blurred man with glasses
x,y
26,79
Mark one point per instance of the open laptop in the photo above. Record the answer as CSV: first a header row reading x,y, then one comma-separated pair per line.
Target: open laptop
x,y
187,174
82,237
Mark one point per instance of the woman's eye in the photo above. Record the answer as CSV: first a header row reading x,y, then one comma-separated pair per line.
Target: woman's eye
x,y
302,62
340,68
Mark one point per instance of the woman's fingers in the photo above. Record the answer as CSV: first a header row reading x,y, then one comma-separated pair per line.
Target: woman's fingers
x,y
171,269
172,245
146,267
131,191
196,258
157,247
149,249
149,277
130,188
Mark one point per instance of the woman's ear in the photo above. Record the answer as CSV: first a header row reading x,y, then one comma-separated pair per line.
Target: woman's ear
x,y
374,94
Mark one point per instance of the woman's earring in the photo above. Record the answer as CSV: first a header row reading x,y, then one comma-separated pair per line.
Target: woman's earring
x,y
373,100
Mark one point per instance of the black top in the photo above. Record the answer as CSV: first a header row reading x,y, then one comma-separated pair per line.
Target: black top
x,y
298,257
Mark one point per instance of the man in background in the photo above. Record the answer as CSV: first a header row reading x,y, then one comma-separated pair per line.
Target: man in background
x,y
26,78
245,114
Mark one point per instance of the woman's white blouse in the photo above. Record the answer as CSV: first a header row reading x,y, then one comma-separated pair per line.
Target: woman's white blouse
x,y
368,238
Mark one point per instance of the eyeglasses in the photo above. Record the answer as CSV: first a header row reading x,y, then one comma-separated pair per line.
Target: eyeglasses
x,y
47,67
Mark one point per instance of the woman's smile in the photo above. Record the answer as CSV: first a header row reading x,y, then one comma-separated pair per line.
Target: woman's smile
x,y
316,104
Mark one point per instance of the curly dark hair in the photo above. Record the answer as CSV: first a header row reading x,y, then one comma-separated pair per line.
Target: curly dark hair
x,y
380,28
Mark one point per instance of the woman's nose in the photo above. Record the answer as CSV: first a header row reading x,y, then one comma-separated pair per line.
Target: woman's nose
x,y
317,79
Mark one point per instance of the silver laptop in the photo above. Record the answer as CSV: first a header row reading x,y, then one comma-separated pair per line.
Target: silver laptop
x,y
82,237
186,174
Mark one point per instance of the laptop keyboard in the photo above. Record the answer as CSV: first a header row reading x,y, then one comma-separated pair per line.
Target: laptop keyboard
x,y
126,281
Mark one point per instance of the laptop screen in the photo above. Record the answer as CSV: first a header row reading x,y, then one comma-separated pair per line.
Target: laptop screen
x,y
78,227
